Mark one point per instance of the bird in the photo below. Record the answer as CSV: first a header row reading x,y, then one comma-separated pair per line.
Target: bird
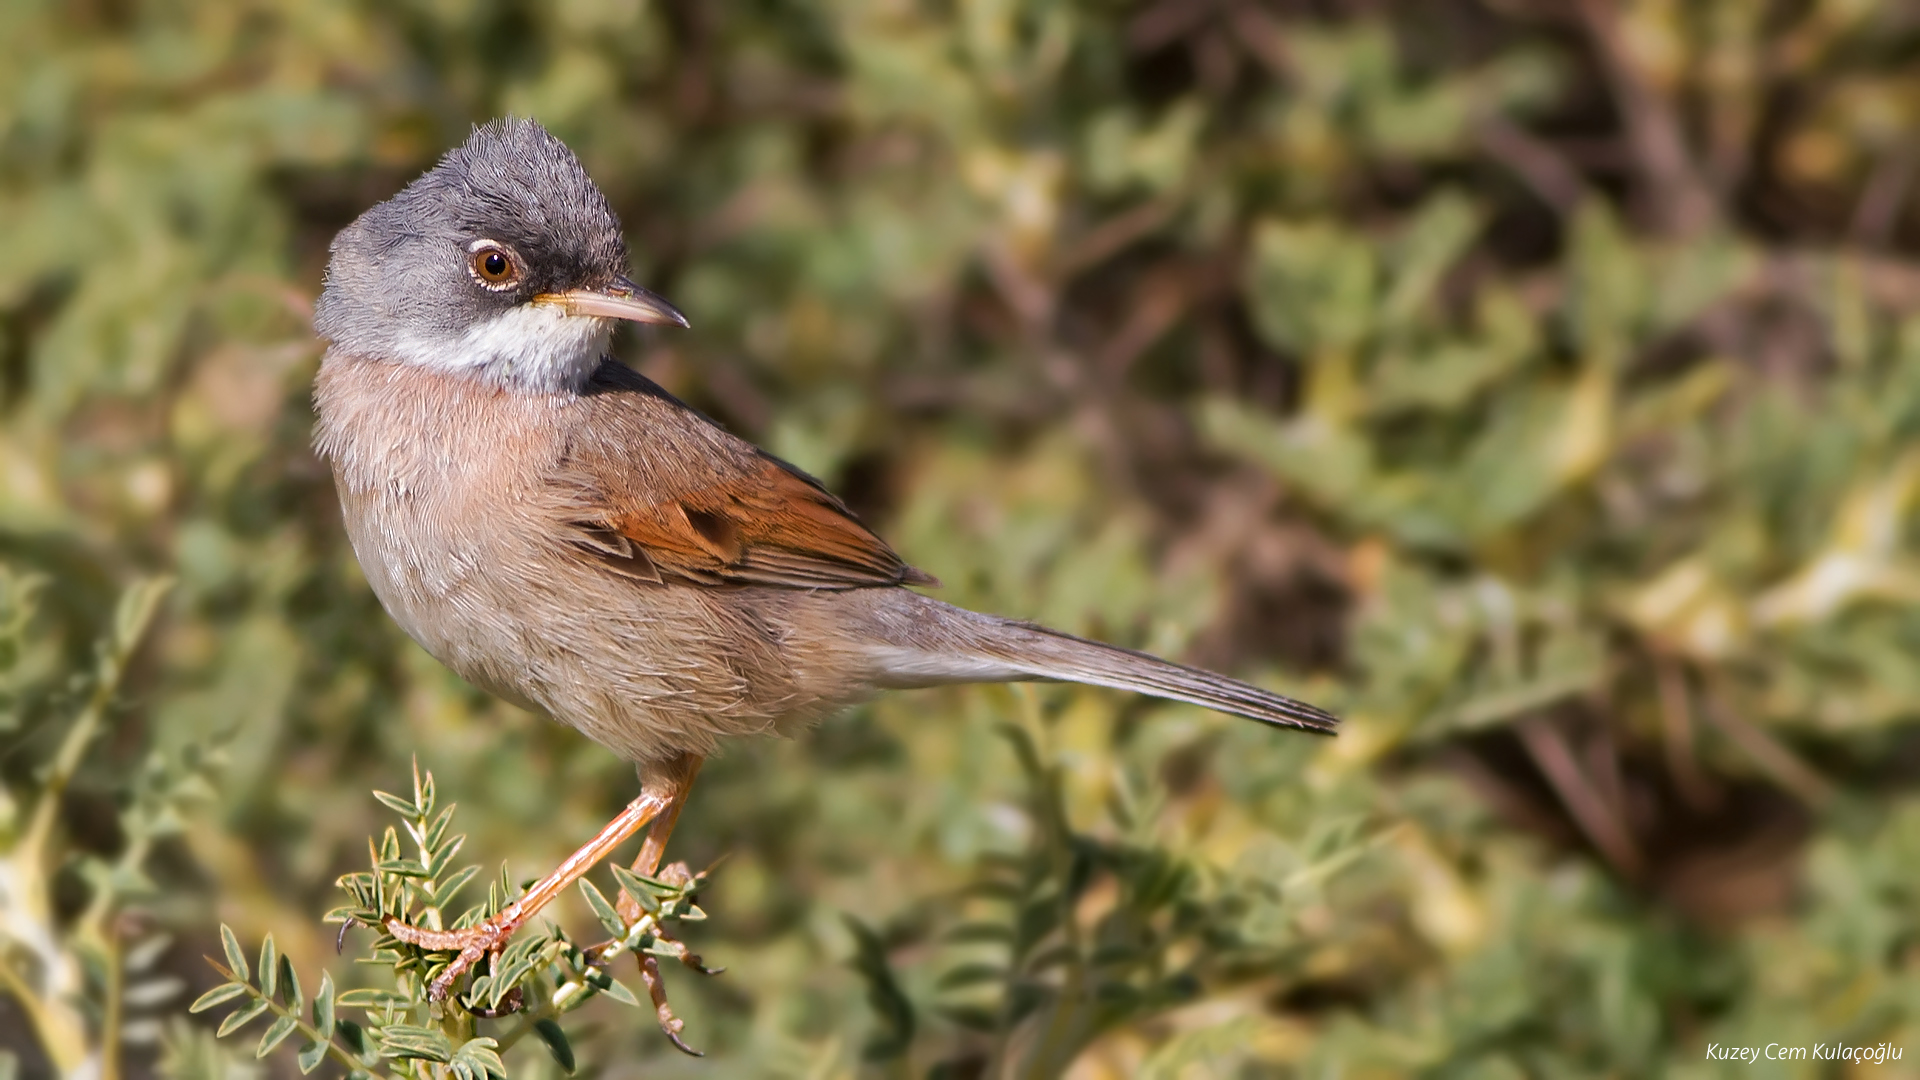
x,y
564,533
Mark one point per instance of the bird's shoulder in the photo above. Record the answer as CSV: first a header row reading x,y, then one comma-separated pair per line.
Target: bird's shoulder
x,y
664,492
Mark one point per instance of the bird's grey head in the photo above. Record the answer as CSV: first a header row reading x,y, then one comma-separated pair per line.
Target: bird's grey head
x,y
502,262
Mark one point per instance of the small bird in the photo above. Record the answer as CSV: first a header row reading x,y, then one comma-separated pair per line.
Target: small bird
x,y
564,533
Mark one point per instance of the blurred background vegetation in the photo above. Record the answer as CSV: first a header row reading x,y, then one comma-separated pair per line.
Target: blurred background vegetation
x,y
1534,382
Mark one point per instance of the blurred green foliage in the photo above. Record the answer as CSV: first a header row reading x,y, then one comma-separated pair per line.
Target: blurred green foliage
x,y
1535,382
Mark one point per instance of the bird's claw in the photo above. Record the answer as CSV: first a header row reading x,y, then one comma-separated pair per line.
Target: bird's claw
x,y
692,960
472,943
670,1024
680,951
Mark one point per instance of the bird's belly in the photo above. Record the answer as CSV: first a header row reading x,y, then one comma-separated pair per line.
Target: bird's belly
x,y
647,670
429,576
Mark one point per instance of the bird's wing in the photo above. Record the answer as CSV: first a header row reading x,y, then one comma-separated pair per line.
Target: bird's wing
x,y
665,493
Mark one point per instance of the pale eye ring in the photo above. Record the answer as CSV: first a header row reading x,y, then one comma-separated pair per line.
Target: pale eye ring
x,y
493,265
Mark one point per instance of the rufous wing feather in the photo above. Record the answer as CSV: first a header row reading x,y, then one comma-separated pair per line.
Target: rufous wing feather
x,y
769,526
666,493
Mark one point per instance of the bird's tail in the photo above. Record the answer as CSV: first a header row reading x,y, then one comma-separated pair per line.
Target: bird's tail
x,y
986,648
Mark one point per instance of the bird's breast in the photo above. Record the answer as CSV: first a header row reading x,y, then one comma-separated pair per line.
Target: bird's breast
x,y
440,480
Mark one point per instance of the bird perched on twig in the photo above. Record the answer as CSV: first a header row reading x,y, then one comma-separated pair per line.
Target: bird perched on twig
x,y
564,533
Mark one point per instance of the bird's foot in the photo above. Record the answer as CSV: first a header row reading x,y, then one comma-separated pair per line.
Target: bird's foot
x,y
485,939
631,912
679,875
670,1024
683,954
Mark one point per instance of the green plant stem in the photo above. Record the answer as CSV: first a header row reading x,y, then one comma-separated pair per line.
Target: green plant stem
x,y
57,1026
47,808
1070,990
59,1033
110,1023
137,607
1051,817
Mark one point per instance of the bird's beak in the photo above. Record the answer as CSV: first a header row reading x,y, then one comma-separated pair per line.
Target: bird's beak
x,y
620,300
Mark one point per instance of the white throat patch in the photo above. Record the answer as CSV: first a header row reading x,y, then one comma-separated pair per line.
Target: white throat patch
x,y
530,346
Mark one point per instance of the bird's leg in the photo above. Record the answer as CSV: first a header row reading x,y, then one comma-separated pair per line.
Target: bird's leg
x,y
672,781
490,936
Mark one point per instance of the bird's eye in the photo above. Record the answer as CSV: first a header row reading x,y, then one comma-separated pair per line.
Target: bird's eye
x,y
493,266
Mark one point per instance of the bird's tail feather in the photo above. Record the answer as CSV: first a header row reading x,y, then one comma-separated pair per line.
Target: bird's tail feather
x,y
992,649
1049,654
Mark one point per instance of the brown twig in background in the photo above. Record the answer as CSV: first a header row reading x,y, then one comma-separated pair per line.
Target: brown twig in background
x,y
1166,22
1878,211
1603,824
1602,753
1544,171
1676,725
1260,34
1115,234
1675,197
1161,301
1781,764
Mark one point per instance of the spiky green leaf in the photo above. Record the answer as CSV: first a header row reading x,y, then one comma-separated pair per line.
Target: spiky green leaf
x,y
323,1005
395,803
291,994
372,998
310,1057
477,1059
276,1034
241,1017
555,1039
219,995
404,1041
603,910
269,966
645,890
449,887
351,1035
611,987
236,956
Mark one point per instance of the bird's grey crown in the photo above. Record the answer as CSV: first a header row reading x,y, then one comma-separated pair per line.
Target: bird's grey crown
x,y
398,286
